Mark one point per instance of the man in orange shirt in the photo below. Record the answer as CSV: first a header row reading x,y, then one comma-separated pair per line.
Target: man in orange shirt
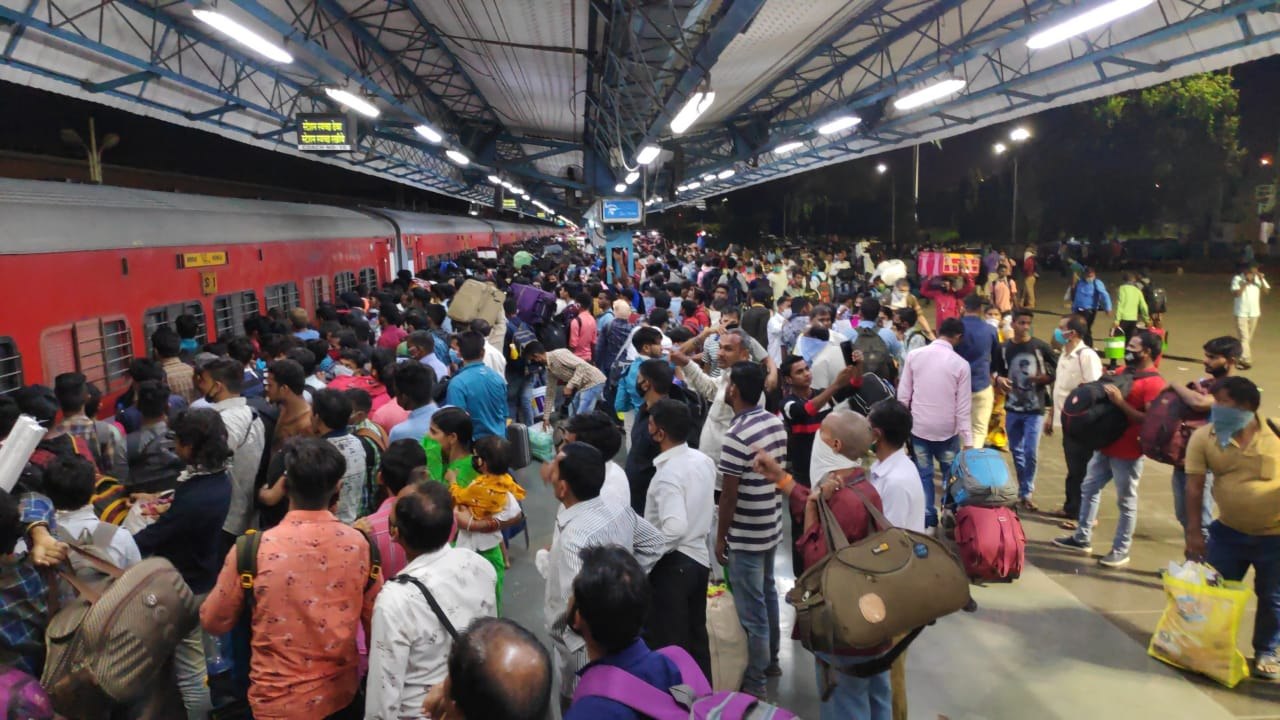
x,y
312,587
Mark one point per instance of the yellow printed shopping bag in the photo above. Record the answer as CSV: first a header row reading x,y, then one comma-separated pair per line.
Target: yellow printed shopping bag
x,y
1200,623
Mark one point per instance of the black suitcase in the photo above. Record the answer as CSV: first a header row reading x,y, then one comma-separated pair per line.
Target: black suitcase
x,y
518,437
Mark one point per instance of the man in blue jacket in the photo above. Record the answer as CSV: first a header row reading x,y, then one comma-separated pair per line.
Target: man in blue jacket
x,y
980,347
1088,296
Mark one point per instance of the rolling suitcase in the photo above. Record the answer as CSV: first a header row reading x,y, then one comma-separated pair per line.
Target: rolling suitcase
x,y
534,306
521,451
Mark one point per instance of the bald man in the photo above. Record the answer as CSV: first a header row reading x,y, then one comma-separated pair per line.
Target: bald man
x,y
497,671
850,435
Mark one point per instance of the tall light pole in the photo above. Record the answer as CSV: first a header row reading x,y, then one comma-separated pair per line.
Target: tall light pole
x,y
1018,135
893,205
92,149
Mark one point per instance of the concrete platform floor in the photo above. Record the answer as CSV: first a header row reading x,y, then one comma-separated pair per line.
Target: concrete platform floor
x,y
1067,640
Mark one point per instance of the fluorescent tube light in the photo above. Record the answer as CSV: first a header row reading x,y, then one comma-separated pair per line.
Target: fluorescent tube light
x,y
929,93
648,154
359,104
726,174
457,157
429,133
1086,21
632,176
692,110
835,125
785,148
243,35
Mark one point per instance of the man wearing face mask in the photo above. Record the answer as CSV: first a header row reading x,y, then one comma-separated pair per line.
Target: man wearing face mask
x,y
1242,450
775,327
1221,356
901,297
946,293
219,382
1120,461
1077,364
584,519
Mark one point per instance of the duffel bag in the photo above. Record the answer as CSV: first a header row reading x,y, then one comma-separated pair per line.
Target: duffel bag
x,y
992,543
979,476
110,645
1167,425
1090,418
477,300
863,595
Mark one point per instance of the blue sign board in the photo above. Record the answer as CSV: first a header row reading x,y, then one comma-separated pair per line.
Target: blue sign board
x,y
621,210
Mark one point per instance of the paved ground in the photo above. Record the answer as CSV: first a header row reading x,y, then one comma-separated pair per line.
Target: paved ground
x,y
1068,640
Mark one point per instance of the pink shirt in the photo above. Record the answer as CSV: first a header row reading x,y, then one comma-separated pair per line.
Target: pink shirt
x,y
389,415
393,560
582,335
935,385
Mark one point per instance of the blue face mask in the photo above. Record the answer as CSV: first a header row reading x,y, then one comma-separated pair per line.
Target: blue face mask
x,y
454,357
1227,421
1058,337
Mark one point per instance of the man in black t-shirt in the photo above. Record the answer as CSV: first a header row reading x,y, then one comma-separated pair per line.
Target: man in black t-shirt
x,y
1029,367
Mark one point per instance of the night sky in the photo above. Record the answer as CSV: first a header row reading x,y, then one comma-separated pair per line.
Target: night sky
x,y
153,144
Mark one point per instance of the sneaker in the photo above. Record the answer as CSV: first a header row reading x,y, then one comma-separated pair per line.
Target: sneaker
x,y
1114,559
1071,543
774,670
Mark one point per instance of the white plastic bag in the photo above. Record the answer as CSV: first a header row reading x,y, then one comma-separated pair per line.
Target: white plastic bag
x,y
726,639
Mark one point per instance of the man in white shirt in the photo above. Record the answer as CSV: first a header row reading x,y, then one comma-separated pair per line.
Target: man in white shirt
x,y
679,504
893,474
1078,364
1248,288
411,637
220,381
774,329
493,357
69,485
734,349
584,519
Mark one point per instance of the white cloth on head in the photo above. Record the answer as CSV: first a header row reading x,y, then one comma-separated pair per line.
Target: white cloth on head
x,y
824,460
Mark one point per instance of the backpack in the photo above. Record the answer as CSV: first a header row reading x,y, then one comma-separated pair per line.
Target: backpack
x,y
991,542
374,444
554,335
732,283
698,409
154,464
692,699
1090,418
1157,299
709,281
110,498
979,476
873,389
1167,427
111,644
875,354
824,287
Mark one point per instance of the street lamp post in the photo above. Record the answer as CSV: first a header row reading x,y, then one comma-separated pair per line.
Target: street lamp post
x,y
893,205
1018,135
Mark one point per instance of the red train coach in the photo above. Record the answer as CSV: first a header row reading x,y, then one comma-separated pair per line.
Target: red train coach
x,y
91,271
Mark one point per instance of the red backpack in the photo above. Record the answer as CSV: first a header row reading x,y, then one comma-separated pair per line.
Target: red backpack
x,y
1167,427
991,542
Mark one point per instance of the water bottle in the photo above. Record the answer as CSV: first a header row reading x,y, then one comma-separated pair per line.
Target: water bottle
x,y
216,659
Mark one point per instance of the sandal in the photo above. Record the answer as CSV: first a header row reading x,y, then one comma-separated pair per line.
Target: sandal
x,y
1068,525
1027,504
1266,667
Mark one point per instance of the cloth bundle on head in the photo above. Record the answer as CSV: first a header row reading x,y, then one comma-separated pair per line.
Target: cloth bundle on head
x,y
622,309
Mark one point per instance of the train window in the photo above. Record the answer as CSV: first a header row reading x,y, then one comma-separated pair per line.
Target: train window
x,y
10,366
369,279
165,315
230,311
318,287
283,296
344,281
101,349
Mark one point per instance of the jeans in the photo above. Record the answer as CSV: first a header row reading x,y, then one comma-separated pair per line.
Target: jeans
x,y
679,586
925,452
756,598
980,414
518,398
1024,444
854,698
1231,552
1126,474
190,671
1077,457
584,401
1179,481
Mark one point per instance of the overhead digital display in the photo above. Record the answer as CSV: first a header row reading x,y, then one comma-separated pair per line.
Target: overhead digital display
x,y
621,210
323,132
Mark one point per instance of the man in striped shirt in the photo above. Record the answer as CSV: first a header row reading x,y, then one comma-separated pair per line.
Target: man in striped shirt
x,y
750,522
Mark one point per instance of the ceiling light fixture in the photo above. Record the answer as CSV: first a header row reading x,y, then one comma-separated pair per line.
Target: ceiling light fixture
x,y
457,157
835,125
1020,135
708,177
930,93
632,176
496,180
524,197
243,35
694,185
785,148
726,174
682,188
1086,21
648,154
620,187
353,101
429,133
692,110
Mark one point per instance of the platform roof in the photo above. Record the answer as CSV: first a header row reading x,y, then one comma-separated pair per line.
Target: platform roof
x,y
558,96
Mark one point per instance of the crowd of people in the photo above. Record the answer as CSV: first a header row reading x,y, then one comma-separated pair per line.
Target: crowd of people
x,y
705,403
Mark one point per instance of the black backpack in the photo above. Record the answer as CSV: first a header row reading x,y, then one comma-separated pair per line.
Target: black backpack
x,y
875,354
698,409
1157,299
1090,418
554,335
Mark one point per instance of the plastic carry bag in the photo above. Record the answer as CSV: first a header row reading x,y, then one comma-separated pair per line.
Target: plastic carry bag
x,y
727,640
542,445
1201,622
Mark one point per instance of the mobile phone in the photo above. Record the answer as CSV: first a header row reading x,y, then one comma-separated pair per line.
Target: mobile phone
x,y
846,347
